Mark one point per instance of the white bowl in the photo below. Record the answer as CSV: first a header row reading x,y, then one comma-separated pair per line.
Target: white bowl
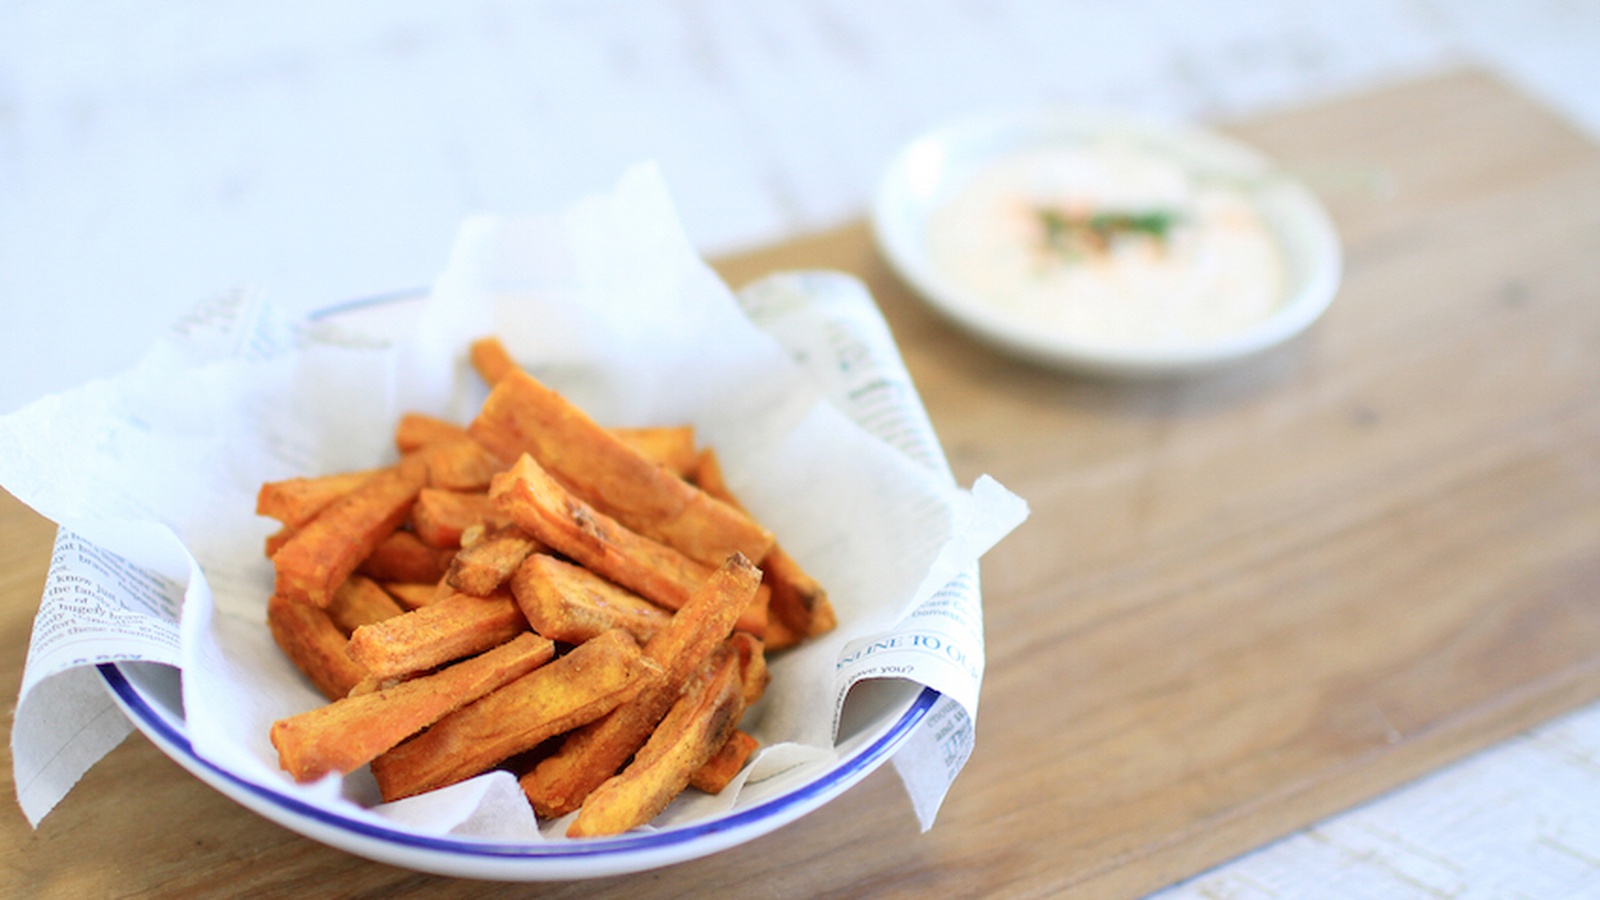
x,y
930,170
877,719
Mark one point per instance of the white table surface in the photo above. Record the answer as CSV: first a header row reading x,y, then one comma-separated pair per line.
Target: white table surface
x,y
156,154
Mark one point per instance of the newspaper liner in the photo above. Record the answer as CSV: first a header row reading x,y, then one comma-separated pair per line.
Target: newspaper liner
x,y
796,381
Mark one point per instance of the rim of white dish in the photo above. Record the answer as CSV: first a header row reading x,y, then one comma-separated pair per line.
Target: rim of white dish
x,y
927,171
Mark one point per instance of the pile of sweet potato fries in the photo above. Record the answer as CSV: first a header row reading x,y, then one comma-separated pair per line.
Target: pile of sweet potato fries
x,y
580,605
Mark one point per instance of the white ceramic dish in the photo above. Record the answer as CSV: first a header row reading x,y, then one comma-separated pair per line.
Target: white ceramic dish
x,y
879,716
932,168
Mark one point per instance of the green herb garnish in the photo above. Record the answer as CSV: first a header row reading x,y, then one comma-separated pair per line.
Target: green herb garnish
x,y
1077,236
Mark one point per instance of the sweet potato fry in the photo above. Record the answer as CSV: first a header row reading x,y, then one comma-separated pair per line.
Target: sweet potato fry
x,y
559,783
370,685
447,629
440,517
521,415
674,446
314,644
542,507
670,446
491,360
752,665
461,464
359,601
579,687
797,598
779,636
351,732
697,726
725,763
798,601
402,556
490,561
412,595
296,501
323,553
572,604
753,619
416,431
277,539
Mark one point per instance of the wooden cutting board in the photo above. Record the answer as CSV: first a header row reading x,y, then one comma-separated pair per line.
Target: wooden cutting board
x,y
1246,602
1242,602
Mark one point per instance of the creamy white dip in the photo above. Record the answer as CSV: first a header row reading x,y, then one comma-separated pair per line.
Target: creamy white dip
x,y
1109,243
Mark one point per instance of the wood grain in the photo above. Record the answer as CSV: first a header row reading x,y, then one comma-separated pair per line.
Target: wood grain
x,y
1242,603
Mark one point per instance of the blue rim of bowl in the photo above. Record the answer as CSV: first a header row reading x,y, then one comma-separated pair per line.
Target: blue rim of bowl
x,y
840,776
843,774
